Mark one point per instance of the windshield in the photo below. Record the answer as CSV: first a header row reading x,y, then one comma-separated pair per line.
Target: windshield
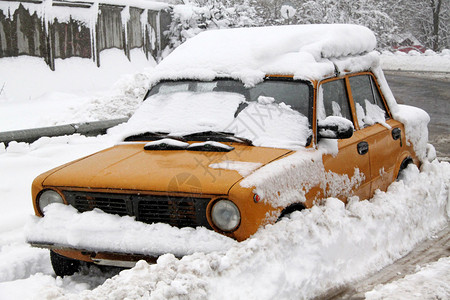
x,y
296,94
273,113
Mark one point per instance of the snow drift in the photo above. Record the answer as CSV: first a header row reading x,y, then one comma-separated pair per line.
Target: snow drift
x,y
304,254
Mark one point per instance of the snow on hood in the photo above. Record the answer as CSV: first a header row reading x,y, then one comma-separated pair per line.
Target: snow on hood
x,y
248,54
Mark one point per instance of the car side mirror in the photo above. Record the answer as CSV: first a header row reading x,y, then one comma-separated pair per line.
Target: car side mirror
x,y
334,127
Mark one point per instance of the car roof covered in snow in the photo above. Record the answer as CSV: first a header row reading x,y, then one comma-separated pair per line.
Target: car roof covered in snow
x,y
305,51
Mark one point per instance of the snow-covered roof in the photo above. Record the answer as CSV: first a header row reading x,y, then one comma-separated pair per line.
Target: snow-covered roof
x,y
248,54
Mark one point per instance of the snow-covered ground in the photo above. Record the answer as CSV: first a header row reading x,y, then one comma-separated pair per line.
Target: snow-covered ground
x,y
436,275
303,256
77,91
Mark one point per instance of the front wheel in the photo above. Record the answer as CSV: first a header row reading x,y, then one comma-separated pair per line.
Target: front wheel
x,y
290,209
64,266
403,166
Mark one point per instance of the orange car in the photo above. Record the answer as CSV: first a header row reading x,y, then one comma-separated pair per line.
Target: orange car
x,y
232,156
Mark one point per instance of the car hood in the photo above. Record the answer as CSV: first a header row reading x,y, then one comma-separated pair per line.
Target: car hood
x,y
129,167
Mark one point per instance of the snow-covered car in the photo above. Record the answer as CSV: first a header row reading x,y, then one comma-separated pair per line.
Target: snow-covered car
x,y
239,128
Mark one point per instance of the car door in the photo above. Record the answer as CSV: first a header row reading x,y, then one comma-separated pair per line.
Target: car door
x,y
347,172
382,134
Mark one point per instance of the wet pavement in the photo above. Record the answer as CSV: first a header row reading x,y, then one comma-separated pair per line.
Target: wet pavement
x,y
430,92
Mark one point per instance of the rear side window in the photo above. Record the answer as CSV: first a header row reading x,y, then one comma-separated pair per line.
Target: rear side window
x,y
334,100
369,106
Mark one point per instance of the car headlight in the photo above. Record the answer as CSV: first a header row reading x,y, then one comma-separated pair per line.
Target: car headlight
x,y
225,215
48,197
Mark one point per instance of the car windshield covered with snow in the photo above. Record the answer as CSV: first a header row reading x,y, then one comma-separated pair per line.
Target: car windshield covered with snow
x,y
274,113
240,128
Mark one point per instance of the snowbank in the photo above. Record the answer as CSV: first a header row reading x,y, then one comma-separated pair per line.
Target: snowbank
x,y
304,255
77,91
430,61
29,78
21,163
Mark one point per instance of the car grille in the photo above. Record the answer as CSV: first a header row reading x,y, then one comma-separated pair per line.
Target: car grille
x,y
175,211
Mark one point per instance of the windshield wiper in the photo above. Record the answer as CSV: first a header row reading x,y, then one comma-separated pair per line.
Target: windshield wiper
x,y
153,136
146,136
218,136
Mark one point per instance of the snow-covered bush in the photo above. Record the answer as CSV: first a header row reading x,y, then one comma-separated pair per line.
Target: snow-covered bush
x,y
371,14
190,19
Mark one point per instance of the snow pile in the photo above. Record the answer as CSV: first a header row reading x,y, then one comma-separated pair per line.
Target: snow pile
x,y
436,277
98,231
357,63
23,163
416,131
19,261
430,61
304,255
300,50
76,91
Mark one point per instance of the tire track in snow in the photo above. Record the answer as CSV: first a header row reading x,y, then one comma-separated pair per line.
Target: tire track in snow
x,y
431,250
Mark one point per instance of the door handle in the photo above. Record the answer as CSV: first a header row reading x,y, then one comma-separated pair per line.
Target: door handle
x,y
363,148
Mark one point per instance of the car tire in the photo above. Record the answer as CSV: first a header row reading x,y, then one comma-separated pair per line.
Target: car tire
x,y
403,166
290,209
64,266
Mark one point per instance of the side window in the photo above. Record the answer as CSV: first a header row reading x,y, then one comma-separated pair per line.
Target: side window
x,y
368,103
334,100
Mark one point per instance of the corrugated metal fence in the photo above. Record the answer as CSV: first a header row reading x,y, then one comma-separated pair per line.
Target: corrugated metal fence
x,y
26,31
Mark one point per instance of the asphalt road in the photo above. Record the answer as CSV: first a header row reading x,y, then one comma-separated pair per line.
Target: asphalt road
x,y
431,93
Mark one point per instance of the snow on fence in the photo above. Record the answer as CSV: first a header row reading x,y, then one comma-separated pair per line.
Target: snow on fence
x,y
65,28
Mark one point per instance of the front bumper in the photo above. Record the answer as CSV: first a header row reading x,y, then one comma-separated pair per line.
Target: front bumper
x,y
102,238
100,258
